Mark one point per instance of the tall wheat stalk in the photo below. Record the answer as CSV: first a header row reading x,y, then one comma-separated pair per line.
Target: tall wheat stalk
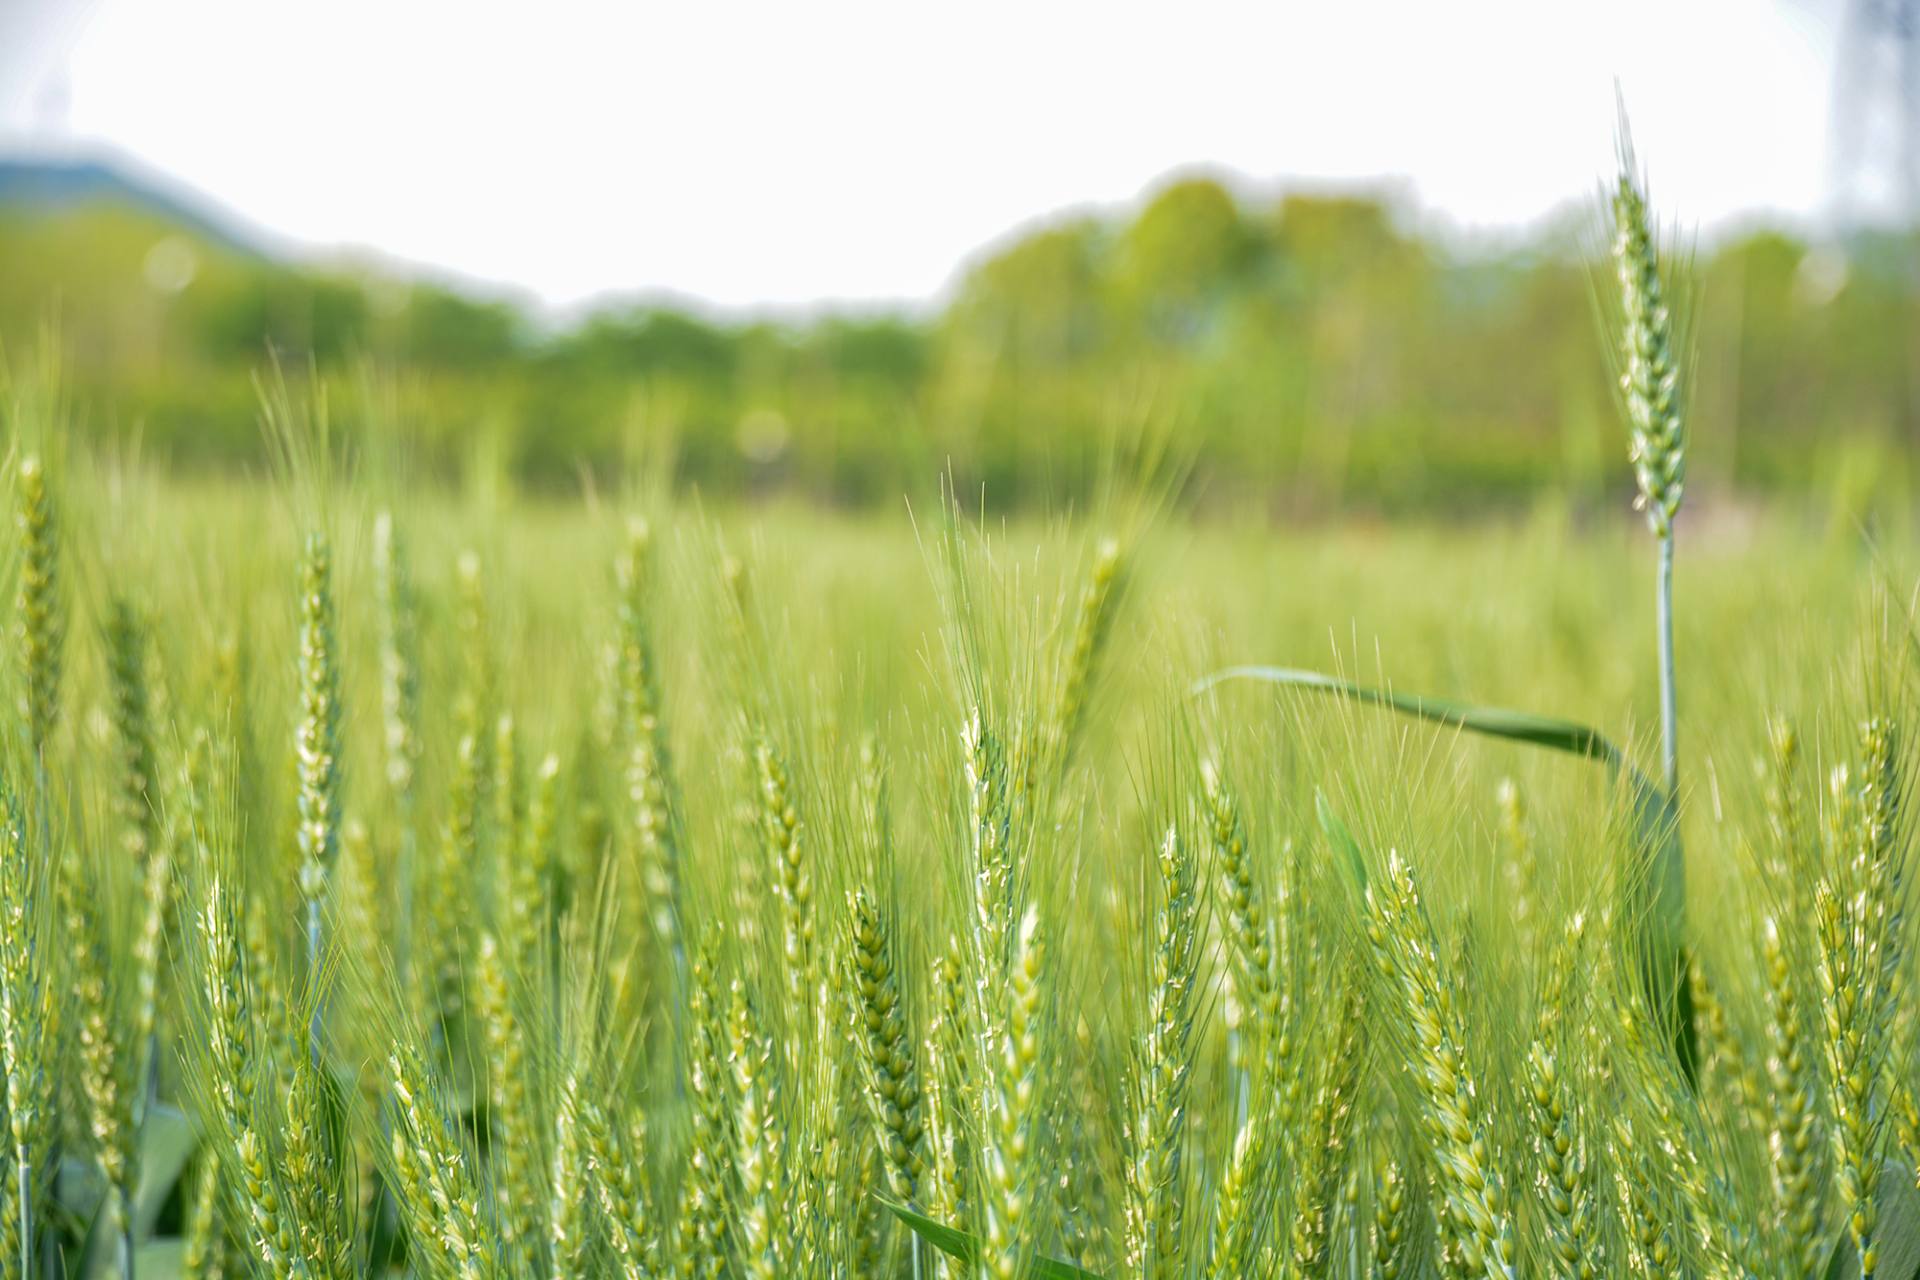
x,y
1650,383
400,716
39,624
317,752
1859,926
1155,1191
1473,1201
24,1041
1012,1112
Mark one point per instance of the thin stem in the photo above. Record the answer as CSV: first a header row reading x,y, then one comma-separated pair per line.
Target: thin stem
x,y
1669,716
403,873
313,976
126,1234
148,1090
26,1208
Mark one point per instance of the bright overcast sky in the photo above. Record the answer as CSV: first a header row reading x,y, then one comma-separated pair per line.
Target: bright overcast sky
x,y
782,153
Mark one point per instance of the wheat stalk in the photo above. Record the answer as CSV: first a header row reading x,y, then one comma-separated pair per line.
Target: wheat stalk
x,y
943,1055
614,1178
990,853
1522,866
317,750
792,879
1155,1195
473,706
1012,1113
1564,1173
1653,1251
757,1153
1235,1237
516,1141
233,1072
701,1235
648,762
203,1254
884,1047
1319,1150
24,996
1256,933
39,624
1650,382
1472,1198
444,907
568,1241
103,1075
1093,620
127,644
1857,926
310,1169
435,1184
531,896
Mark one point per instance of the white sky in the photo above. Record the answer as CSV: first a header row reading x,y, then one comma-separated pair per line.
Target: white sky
x,y
786,152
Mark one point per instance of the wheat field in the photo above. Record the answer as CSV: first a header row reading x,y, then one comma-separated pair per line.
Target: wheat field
x,y
404,881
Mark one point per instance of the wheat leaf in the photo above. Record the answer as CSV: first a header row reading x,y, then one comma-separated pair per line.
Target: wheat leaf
x,y
962,1247
1656,889
1494,722
167,1141
1340,838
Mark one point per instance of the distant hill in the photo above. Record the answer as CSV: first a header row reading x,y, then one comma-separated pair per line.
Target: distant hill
x,y
40,183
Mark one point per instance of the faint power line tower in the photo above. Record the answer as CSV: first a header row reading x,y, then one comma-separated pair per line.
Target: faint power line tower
x,y
1876,113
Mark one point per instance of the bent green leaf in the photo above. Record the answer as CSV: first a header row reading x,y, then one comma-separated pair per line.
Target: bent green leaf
x,y
1494,722
961,1247
1656,886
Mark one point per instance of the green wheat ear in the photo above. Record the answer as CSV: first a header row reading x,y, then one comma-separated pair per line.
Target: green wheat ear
x,y
38,622
1154,1187
1013,1062
1859,932
884,1046
127,643
438,1194
1467,1182
1650,376
24,999
317,746
648,763
399,662
758,1139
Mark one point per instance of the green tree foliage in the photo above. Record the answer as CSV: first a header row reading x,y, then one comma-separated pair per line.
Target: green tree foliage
x,y
1308,351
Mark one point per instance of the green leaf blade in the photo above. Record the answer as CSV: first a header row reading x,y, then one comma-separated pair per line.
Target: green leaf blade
x,y
1493,722
961,1247
1340,838
1656,887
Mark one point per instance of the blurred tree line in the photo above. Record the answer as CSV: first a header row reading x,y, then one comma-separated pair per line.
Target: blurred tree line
x,y
1307,353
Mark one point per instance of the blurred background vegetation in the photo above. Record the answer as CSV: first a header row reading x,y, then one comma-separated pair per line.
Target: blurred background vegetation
x,y
1305,354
